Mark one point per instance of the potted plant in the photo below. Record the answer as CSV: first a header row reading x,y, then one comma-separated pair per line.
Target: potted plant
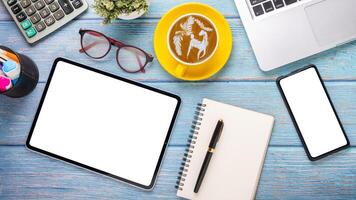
x,y
122,9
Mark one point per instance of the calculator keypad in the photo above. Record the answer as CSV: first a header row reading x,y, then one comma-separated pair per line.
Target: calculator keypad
x,y
21,16
49,21
77,3
35,15
44,12
58,15
53,6
35,18
26,24
25,3
16,9
30,32
11,2
30,10
39,5
67,8
40,26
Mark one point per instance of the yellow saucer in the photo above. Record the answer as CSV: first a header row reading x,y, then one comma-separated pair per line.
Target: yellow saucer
x,y
210,67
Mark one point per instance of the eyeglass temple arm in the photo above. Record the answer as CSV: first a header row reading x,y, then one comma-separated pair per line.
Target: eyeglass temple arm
x,y
81,50
140,63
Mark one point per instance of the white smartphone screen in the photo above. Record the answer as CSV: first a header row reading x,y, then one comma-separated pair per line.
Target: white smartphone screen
x,y
313,112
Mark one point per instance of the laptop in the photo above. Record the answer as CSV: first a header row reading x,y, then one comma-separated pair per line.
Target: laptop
x,y
284,31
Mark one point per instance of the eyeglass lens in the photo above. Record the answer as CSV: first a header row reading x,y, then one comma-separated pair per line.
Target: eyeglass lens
x,y
95,44
131,58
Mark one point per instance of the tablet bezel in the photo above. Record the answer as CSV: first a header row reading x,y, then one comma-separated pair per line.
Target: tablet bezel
x,y
139,185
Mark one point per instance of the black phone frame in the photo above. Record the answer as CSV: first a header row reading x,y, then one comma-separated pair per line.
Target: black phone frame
x,y
295,122
165,144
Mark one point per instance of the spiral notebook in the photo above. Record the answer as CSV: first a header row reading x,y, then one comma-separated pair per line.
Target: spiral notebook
x,y
238,158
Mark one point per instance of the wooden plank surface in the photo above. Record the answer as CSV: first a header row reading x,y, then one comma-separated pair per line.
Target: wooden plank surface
x,y
287,174
18,113
335,64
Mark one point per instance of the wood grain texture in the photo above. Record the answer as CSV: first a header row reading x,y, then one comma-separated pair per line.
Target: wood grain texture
x,y
335,64
17,114
287,174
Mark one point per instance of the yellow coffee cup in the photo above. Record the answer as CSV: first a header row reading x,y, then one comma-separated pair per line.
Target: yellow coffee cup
x,y
192,71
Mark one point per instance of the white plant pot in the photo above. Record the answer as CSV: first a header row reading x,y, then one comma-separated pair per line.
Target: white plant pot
x,y
133,15
130,16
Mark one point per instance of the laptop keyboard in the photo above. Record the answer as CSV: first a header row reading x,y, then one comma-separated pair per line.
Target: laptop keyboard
x,y
261,7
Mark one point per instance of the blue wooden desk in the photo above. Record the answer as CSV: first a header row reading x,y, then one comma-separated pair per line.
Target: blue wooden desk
x,y
287,173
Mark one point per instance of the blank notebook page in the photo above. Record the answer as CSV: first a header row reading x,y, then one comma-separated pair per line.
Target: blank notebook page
x,y
238,158
105,123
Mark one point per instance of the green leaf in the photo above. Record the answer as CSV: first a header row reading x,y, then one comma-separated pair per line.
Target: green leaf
x,y
111,9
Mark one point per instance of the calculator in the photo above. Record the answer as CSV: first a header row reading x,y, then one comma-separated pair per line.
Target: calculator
x,y
38,18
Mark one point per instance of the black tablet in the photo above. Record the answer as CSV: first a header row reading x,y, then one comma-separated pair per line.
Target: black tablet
x,y
104,123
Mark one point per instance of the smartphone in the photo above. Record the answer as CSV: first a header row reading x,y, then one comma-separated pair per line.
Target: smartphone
x,y
312,112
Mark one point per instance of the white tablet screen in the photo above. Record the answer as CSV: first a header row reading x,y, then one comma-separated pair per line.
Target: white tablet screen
x,y
104,123
313,112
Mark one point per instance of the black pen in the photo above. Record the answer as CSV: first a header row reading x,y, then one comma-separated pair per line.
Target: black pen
x,y
209,154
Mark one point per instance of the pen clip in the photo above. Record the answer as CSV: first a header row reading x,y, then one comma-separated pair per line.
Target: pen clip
x,y
217,133
217,140
221,128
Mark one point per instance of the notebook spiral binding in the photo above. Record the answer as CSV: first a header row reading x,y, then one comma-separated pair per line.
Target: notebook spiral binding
x,y
183,170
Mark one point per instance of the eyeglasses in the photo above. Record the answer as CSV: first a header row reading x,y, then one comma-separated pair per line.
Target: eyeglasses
x,y
129,58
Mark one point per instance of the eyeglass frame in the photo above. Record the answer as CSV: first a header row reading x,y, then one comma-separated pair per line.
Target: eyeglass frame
x,y
119,45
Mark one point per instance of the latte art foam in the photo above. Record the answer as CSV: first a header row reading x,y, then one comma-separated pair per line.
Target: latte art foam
x,y
192,39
